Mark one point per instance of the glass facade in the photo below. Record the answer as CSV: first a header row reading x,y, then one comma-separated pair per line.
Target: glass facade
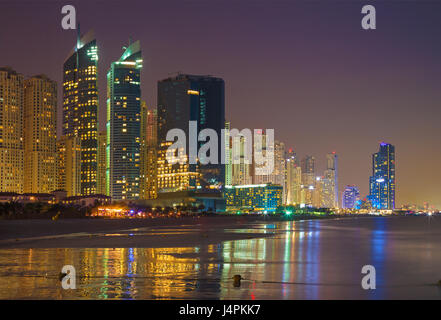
x,y
124,124
350,197
382,181
187,98
80,107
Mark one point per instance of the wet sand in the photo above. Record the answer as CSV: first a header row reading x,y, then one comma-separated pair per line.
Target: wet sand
x,y
310,259
126,233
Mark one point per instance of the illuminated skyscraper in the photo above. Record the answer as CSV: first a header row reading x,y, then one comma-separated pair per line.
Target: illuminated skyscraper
x,y
275,175
308,179
124,124
80,106
68,163
228,156
187,98
330,182
40,140
101,163
149,153
350,196
293,179
241,168
382,181
11,131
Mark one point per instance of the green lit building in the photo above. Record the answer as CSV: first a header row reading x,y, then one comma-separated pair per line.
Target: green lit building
x,y
124,125
253,198
80,107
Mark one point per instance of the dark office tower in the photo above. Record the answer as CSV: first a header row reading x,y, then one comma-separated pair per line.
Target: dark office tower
x,y
80,107
308,164
124,124
187,98
308,170
382,181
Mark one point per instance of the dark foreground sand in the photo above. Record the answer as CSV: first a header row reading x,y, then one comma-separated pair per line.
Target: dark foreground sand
x,y
125,233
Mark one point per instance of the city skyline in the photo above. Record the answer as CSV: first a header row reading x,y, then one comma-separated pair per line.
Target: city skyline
x,y
412,186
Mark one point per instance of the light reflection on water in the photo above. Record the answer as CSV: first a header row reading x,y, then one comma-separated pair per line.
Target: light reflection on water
x,y
304,260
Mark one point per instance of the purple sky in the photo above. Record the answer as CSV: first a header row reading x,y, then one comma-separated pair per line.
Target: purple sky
x,y
304,68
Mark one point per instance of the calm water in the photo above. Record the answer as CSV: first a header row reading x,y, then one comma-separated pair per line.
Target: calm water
x,y
303,260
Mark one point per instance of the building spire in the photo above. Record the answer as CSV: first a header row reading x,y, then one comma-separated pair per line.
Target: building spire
x,y
78,36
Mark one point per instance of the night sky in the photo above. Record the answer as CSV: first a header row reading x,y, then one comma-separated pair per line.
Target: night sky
x,y
304,68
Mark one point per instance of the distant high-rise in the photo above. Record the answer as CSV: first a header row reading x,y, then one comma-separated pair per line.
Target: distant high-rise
x,y
101,162
382,181
80,106
187,98
11,131
40,140
293,179
308,180
277,174
124,124
330,182
241,170
228,156
68,162
149,153
350,196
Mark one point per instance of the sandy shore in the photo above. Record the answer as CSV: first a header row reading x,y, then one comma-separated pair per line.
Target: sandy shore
x,y
125,233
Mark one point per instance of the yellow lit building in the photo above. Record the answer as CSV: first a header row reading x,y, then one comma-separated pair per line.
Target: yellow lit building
x,y
101,163
175,177
149,153
80,106
40,119
11,131
253,198
68,161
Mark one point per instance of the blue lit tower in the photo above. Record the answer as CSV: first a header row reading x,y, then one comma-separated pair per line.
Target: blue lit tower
x,y
123,125
382,181
350,197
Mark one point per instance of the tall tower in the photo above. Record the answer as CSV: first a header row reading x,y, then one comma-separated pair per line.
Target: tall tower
x,y
228,158
382,181
149,153
80,106
308,179
241,171
124,124
101,162
187,98
330,182
11,131
293,179
277,175
68,160
40,120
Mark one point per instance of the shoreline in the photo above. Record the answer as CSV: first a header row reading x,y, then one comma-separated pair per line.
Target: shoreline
x,y
139,233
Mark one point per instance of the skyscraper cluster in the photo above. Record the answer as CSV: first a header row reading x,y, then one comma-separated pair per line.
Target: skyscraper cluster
x,y
28,158
299,182
128,160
